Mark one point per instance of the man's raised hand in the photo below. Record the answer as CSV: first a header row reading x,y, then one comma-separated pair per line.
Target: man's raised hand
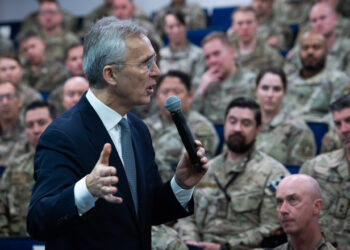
x,y
102,179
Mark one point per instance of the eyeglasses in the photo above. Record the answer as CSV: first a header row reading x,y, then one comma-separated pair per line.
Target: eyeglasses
x,y
148,64
48,12
9,96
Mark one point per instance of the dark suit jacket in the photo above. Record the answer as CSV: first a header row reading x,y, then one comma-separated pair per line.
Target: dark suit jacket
x,y
67,151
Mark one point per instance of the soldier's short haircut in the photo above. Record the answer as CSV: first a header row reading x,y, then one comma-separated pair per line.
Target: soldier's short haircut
x,y
24,36
341,103
11,55
178,15
243,9
3,82
216,35
245,102
184,78
72,46
41,104
273,70
104,44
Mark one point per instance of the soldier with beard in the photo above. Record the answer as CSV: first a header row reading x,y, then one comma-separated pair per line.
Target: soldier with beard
x,y
332,172
234,203
314,87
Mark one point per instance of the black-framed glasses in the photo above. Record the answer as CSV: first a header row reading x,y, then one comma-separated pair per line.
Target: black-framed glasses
x,y
9,96
147,63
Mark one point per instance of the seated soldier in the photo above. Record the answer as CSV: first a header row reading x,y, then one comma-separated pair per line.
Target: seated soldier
x,y
74,67
39,73
222,81
283,136
11,126
180,54
11,70
195,17
234,202
299,204
31,22
314,87
332,172
330,141
17,181
250,52
324,21
165,138
125,9
292,11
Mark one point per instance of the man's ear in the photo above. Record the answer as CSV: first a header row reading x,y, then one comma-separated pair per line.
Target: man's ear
x,y
317,206
110,74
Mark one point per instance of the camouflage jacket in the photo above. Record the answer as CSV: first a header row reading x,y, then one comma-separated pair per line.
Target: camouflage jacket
x,y
16,187
166,238
310,98
330,141
331,170
214,101
288,139
262,56
322,245
235,203
189,60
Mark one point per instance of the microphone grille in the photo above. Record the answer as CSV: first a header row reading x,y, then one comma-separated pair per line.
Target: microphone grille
x,y
173,104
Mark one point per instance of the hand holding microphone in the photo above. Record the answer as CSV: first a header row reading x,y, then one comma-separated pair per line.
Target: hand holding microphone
x,y
173,104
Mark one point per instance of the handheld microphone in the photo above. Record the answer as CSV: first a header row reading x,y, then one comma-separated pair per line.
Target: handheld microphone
x,y
173,104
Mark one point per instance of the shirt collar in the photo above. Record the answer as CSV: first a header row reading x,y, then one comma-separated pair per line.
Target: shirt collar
x,y
108,116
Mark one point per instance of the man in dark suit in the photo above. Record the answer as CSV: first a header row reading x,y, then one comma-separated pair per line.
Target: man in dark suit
x,y
88,194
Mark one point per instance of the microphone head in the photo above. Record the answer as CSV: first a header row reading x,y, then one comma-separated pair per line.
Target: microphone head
x,y
173,104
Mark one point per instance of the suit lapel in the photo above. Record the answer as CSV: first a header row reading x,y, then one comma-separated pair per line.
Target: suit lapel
x,y
98,136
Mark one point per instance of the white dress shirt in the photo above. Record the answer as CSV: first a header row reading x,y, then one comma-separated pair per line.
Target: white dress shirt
x,y
110,119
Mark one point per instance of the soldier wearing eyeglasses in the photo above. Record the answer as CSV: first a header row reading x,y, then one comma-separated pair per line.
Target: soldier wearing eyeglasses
x,y
11,127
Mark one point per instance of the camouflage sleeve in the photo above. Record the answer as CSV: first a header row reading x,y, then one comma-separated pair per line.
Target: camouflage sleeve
x,y
340,86
188,229
198,20
206,133
268,216
4,221
197,103
306,168
302,146
330,142
165,238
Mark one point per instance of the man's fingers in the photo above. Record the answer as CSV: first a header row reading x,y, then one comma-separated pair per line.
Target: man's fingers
x,y
106,190
104,156
113,199
111,180
107,171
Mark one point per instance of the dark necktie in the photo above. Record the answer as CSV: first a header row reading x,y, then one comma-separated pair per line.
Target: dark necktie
x,y
129,159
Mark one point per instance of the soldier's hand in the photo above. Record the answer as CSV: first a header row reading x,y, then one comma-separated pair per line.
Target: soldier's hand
x,y
205,245
100,182
211,75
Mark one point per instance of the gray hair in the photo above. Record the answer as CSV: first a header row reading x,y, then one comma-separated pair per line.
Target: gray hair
x,y
105,44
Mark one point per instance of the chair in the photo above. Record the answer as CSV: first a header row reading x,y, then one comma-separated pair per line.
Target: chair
x,y
293,169
319,129
221,18
20,243
220,130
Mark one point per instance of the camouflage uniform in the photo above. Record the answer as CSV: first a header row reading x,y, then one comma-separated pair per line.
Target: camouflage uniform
x,y
262,56
322,245
27,94
189,60
8,140
331,170
288,139
219,94
331,141
57,45
56,99
50,75
16,188
292,11
242,215
338,57
310,98
195,17
31,22
168,145
166,238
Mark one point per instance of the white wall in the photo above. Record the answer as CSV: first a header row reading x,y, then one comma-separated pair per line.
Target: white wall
x,y
15,10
